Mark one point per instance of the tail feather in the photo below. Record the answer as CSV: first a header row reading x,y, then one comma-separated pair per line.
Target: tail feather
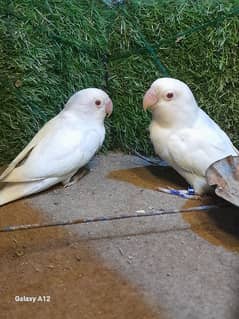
x,y
12,191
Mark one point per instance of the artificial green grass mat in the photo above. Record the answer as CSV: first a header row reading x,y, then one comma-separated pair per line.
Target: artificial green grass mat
x,y
50,49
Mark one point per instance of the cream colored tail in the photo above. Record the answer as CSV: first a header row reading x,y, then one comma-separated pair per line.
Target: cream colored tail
x,y
12,191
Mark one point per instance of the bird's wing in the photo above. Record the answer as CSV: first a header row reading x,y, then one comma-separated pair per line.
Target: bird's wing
x,y
194,150
25,152
58,154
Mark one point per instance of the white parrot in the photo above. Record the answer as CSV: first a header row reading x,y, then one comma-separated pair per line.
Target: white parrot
x,y
183,134
62,146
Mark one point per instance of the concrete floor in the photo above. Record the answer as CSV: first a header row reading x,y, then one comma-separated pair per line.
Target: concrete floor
x,y
183,266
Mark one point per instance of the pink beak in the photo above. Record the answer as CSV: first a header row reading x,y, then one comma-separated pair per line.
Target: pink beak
x,y
150,98
108,107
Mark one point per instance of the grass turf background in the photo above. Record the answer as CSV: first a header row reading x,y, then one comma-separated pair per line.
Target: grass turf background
x,y
50,49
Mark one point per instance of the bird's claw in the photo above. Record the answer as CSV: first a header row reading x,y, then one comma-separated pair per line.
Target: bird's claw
x,y
69,184
75,178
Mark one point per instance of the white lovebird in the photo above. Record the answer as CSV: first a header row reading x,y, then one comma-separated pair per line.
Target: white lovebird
x,y
63,145
183,134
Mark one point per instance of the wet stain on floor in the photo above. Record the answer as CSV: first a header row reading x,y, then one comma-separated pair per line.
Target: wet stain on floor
x,y
51,262
220,227
149,177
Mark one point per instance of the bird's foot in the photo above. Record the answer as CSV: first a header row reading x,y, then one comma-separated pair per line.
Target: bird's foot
x,y
75,178
184,193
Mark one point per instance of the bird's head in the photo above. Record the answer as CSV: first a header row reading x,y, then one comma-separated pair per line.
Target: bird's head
x,y
93,102
170,101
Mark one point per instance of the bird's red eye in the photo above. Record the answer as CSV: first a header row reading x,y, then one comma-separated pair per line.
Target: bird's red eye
x,y
169,95
97,102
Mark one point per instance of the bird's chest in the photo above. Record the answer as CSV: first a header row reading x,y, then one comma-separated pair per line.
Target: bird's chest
x,y
160,138
91,141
